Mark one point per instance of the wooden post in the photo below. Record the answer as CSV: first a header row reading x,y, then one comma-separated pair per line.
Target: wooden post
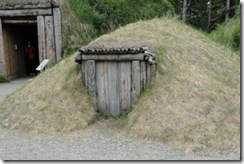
x,y
143,75
57,30
2,60
41,38
50,45
136,81
91,84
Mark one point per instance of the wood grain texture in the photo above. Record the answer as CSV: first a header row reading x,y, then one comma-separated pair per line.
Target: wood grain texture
x,y
2,60
125,86
50,42
91,83
113,90
113,57
41,38
25,12
57,30
136,80
143,75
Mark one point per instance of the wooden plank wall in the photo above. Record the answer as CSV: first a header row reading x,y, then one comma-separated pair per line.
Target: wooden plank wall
x,y
116,84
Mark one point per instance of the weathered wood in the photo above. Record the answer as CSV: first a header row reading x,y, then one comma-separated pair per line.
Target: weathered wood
x,y
84,73
124,85
14,59
143,75
113,91
101,86
19,21
136,81
41,38
148,73
2,69
91,84
50,45
114,57
57,30
25,12
153,70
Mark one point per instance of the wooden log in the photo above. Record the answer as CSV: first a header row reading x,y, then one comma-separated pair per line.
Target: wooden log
x,y
25,12
50,45
91,84
2,60
19,21
113,57
136,81
57,30
143,75
113,91
124,81
41,38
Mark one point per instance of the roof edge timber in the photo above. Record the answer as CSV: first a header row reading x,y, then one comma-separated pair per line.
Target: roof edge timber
x,y
49,4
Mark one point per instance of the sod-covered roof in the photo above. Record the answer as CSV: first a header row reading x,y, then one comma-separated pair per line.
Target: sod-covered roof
x,y
18,4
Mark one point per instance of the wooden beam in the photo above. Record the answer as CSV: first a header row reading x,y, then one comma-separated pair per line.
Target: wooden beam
x,y
25,12
50,44
2,61
57,30
19,21
41,38
114,57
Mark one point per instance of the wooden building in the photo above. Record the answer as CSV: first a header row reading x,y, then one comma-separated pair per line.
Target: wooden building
x,y
116,77
38,21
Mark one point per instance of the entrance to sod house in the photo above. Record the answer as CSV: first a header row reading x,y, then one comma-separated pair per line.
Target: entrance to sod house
x,y
15,38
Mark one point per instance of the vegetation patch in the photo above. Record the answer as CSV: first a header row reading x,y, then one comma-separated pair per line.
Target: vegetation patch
x,y
3,79
196,88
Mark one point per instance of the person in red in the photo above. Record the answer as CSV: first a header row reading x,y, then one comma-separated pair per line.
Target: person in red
x,y
31,55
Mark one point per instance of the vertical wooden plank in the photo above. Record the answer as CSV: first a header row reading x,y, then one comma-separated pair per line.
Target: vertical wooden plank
x,y
101,87
84,73
50,46
41,38
57,30
136,81
2,60
105,86
148,73
91,77
153,70
143,75
124,85
113,92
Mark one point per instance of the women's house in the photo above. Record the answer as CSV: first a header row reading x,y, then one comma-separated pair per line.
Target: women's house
x,y
34,21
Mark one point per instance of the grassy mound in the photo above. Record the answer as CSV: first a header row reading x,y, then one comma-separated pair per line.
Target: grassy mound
x,y
53,102
194,101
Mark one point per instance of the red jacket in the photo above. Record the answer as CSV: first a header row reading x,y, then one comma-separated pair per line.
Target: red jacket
x,y
30,51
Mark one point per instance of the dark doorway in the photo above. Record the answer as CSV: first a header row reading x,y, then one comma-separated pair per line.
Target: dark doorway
x,y
15,38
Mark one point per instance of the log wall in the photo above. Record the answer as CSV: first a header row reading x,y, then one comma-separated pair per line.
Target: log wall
x,y
116,84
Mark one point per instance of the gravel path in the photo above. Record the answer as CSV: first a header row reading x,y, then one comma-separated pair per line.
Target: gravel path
x,y
8,88
98,142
